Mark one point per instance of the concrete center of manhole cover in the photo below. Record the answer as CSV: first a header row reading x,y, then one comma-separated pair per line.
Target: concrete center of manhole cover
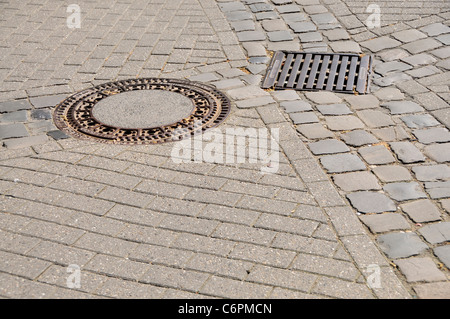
x,y
142,109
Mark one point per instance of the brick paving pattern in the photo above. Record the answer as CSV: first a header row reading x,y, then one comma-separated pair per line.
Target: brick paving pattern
x,y
363,180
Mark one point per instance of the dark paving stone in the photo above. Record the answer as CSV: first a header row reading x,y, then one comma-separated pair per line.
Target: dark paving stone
x,y
404,191
401,245
432,173
407,152
358,138
438,190
57,135
432,135
17,105
12,131
436,233
422,211
47,101
329,146
41,114
419,121
402,107
376,155
419,269
342,163
334,109
16,116
385,222
443,253
371,202
438,152
356,181
295,106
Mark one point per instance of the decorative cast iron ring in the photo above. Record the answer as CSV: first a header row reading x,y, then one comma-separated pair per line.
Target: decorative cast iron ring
x,y
74,115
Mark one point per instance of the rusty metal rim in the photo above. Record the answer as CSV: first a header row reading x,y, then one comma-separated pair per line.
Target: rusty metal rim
x,y
74,116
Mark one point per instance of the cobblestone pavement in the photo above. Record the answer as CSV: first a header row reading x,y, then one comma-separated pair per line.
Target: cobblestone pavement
x,y
363,180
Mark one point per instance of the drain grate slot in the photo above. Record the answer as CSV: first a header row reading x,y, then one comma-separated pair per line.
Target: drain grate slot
x,y
346,73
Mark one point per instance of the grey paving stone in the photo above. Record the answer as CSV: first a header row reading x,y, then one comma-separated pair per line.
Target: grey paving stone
x,y
419,59
376,155
304,117
245,25
314,131
334,109
393,54
274,25
293,17
420,121
375,119
299,27
402,107
409,35
22,142
401,245
323,18
359,102
358,138
266,15
433,290
392,66
328,146
261,7
392,78
254,49
371,202
286,6
238,15
341,163
445,38
438,152
422,45
57,135
407,152
12,131
420,269
278,36
422,211
47,101
41,114
389,94
344,123
345,47
443,253
323,97
15,116
295,106
16,105
432,173
336,34
385,222
438,189
310,37
232,6
436,233
356,181
404,191
380,43
435,29
392,173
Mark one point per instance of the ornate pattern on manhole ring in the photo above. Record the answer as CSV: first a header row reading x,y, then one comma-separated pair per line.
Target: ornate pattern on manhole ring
x,y
74,115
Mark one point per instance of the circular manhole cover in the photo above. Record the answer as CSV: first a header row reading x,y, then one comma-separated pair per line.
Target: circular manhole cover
x,y
142,111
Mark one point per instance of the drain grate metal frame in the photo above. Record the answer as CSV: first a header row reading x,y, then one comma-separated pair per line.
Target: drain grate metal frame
x,y
302,71
74,115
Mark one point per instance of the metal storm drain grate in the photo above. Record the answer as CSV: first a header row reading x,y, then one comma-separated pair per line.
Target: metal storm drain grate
x,y
346,73
142,111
